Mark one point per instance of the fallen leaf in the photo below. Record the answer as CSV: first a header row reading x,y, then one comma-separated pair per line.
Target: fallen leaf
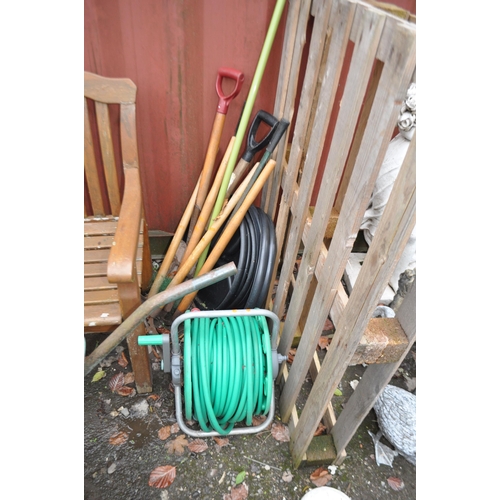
x,y
122,360
240,477
320,476
129,378
177,445
395,483
280,432
198,446
116,381
120,438
154,397
162,476
287,476
98,376
164,432
239,492
337,392
321,429
291,355
323,342
126,391
174,429
220,442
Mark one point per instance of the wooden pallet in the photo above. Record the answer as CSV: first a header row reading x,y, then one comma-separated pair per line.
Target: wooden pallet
x,y
358,66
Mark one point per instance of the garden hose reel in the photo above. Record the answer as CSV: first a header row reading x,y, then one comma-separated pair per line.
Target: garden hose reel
x,y
226,372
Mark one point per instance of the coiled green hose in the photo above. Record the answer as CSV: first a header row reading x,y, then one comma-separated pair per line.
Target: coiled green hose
x,y
227,371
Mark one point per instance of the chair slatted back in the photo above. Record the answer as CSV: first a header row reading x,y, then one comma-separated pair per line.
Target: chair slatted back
x,y
102,180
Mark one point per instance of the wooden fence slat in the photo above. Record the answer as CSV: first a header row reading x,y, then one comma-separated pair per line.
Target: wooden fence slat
x,y
364,53
318,40
390,239
374,380
108,156
285,97
357,81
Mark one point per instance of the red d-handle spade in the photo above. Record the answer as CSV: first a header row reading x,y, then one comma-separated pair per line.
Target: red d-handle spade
x,y
224,100
215,136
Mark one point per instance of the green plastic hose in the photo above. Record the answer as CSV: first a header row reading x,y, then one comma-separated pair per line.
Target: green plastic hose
x,y
227,371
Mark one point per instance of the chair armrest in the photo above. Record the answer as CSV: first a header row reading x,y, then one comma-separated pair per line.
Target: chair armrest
x,y
123,253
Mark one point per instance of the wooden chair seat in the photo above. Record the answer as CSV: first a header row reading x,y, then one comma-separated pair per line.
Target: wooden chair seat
x,y
117,258
101,302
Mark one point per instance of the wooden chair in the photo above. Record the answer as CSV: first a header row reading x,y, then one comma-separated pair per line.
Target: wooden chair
x,y
117,260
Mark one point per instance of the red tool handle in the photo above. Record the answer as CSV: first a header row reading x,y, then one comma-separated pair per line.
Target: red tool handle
x,y
224,100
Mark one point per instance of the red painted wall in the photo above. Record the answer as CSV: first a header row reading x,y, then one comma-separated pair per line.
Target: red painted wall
x,y
172,51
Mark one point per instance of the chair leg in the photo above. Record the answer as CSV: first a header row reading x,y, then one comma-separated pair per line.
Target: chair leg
x,y
130,300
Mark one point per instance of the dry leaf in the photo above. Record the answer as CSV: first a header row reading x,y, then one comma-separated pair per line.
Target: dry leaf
x,y
321,429
164,432
287,476
122,360
198,446
323,342
120,438
291,355
162,476
126,391
320,476
154,397
129,378
395,483
280,432
220,442
258,419
116,381
177,445
174,429
239,492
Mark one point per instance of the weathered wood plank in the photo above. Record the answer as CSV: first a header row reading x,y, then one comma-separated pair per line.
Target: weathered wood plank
x,y
108,156
375,378
365,50
357,80
93,315
94,187
100,296
318,40
295,38
109,90
392,234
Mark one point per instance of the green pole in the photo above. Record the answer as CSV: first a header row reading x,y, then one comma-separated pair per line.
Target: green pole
x,y
245,117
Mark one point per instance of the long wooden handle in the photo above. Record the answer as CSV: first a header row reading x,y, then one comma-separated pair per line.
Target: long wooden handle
x,y
201,223
174,244
183,270
208,167
231,228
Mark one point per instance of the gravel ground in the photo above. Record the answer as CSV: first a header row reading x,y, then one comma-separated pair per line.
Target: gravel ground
x,y
127,437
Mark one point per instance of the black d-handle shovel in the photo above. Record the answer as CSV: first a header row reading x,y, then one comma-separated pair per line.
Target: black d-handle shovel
x,y
277,135
253,147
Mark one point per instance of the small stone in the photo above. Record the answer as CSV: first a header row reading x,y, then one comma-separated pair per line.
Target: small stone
x,y
112,468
